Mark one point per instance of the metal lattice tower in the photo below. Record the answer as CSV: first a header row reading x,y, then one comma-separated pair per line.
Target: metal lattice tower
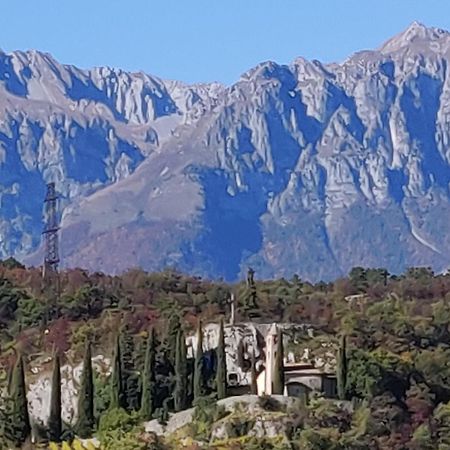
x,y
51,259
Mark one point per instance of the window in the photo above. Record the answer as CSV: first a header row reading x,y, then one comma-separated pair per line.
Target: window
x,y
329,387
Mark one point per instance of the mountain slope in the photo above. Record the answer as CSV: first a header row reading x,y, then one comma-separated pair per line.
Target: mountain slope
x,y
306,168
81,129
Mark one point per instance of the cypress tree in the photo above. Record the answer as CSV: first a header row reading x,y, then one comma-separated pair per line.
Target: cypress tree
x,y
341,369
221,373
86,420
251,296
20,419
148,378
54,421
130,378
9,380
117,397
254,384
199,385
278,370
173,326
181,374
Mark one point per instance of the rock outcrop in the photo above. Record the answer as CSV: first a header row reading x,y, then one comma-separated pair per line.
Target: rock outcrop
x,y
39,390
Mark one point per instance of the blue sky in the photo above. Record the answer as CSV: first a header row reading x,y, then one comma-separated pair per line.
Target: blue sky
x,y
207,40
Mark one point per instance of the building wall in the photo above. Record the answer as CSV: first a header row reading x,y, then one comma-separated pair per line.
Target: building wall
x,y
296,382
313,382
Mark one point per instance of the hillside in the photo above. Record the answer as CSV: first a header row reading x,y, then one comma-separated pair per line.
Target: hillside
x,y
396,330
305,168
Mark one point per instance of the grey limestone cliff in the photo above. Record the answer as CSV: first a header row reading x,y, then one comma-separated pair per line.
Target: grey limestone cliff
x,y
305,168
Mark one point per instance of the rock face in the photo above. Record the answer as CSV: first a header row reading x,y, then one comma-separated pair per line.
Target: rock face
x,y
39,391
83,130
264,424
306,168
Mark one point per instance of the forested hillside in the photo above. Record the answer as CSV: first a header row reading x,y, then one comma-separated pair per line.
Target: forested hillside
x,y
396,329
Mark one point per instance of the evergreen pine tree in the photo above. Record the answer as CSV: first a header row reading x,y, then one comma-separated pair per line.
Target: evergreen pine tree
x,y
20,419
130,378
341,369
86,420
117,396
199,385
148,378
221,373
54,421
278,370
254,384
181,374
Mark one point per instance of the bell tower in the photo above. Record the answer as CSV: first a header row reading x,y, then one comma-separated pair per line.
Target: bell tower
x,y
271,346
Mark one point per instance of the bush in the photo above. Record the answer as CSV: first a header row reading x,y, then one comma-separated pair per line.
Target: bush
x,y
120,430
102,389
206,412
117,418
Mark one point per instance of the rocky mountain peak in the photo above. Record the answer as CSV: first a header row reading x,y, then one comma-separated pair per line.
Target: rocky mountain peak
x,y
417,35
306,168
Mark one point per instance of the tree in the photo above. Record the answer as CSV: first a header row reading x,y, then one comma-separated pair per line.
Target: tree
x,y
254,376
148,378
423,439
117,395
181,374
9,300
358,279
199,382
364,375
250,296
441,426
86,420
278,369
342,368
221,373
377,276
20,418
420,402
11,263
130,378
54,421
173,326
120,430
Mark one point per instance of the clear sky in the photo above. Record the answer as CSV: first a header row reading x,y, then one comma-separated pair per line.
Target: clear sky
x,y
207,40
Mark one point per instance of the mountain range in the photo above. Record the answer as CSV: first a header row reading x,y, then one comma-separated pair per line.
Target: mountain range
x,y
306,168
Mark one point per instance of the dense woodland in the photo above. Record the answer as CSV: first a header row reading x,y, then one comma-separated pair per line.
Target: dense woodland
x,y
391,335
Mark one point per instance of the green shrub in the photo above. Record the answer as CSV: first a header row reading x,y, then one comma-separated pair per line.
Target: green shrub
x,y
120,430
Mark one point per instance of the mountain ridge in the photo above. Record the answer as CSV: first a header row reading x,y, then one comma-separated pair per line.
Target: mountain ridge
x,y
305,168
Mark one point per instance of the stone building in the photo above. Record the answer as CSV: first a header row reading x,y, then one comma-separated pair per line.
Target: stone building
x,y
299,378
241,340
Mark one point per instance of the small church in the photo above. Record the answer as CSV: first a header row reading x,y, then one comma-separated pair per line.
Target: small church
x,y
300,378
244,340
